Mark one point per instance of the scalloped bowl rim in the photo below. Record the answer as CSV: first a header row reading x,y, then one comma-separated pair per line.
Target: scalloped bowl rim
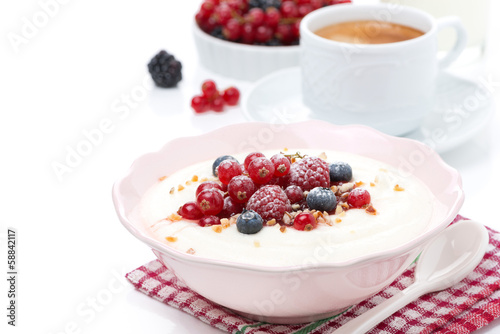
x,y
379,255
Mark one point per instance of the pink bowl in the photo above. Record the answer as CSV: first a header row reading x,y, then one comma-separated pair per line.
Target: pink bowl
x,y
299,293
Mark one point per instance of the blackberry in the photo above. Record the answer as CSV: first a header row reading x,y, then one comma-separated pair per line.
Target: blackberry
x,y
340,172
165,69
217,33
249,222
321,199
264,4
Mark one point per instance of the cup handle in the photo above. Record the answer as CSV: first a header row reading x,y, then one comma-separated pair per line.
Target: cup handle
x,y
461,42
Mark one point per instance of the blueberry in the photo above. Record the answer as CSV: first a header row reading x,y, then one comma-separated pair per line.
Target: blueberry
x,y
321,199
249,222
340,172
219,160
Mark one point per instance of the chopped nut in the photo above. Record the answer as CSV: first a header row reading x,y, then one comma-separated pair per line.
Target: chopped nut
x,y
162,178
224,222
194,178
180,187
338,220
376,179
172,190
347,187
271,222
334,189
217,228
190,251
204,179
174,217
322,156
345,206
188,183
338,209
233,219
295,206
342,214
397,187
343,197
283,229
371,210
372,184
306,193
359,183
321,220
308,227
171,239
256,244
316,214
328,220
287,219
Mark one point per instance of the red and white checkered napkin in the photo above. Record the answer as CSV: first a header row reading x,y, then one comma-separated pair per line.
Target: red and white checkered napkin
x,y
467,306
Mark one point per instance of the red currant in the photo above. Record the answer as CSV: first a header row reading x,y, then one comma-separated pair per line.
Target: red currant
x,y
251,157
316,4
209,221
261,170
208,88
230,208
199,104
232,30
358,198
227,170
190,210
305,221
263,34
294,194
305,9
284,33
289,9
217,104
208,6
273,17
256,17
281,165
231,96
241,188
248,33
222,13
208,185
210,201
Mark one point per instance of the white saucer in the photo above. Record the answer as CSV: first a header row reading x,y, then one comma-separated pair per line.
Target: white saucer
x,y
462,107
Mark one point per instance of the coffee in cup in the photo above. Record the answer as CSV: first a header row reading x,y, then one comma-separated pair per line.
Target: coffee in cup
x,y
368,32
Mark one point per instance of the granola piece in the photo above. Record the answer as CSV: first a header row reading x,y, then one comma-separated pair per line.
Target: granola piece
x,y
397,187
339,209
172,190
225,223
287,219
371,210
174,217
217,228
323,156
271,222
190,251
194,178
171,239
346,187
283,229
180,187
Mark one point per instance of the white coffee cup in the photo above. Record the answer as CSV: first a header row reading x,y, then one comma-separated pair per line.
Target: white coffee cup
x,y
387,86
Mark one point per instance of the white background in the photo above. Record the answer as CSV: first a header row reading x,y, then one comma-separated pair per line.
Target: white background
x,y
63,81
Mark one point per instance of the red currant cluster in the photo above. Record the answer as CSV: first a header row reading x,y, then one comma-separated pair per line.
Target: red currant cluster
x,y
271,190
213,99
257,22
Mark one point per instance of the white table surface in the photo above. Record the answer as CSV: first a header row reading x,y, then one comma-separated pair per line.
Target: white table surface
x,y
63,81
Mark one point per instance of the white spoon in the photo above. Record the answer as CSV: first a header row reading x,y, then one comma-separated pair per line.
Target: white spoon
x,y
445,261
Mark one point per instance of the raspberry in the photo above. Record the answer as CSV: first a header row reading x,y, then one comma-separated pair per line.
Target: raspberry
x,y
227,170
358,197
304,221
241,188
261,170
165,70
309,173
210,201
269,202
190,210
